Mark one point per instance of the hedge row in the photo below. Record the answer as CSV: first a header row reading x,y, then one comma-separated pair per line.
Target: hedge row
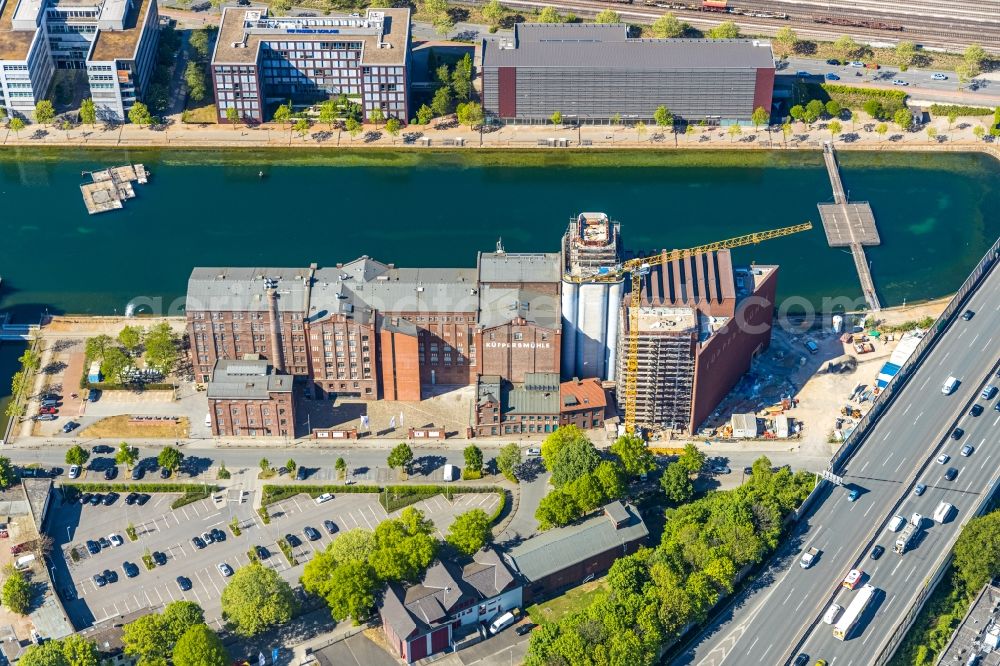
x,y
892,96
959,110
190,497
186,488
500,505
391,498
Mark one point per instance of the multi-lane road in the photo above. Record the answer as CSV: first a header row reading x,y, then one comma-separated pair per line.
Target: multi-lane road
x,y
764,627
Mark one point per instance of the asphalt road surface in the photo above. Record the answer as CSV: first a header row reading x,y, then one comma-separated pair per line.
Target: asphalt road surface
x,y
764,627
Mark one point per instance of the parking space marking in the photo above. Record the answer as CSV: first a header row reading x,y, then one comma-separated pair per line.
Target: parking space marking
x,y
159,596
296,502
365,518
184,511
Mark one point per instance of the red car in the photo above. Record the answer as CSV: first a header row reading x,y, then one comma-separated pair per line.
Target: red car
x,y
48,410
19,548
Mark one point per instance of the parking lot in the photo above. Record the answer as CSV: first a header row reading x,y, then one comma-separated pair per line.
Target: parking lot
x,y
161,529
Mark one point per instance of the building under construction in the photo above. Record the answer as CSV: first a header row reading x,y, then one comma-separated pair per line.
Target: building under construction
x,y
701,322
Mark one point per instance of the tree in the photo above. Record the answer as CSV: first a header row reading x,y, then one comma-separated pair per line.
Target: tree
x,y
88,113
634,454
44,112
170,458
473,458
556,118
977,551
797,112
282,114
668,27
7,476
257,599
200,42
328,112
692,460
461,79
734,131
903,118
139,114
787,41
376,116
611,479
760,116
470,532
77,455
194,76
148,638
78,651
442,101
549,15
353,127
556,509
493,12
814,109
16,125
392,126
676,483
355,545
401,457
966,71
640,129
978,131
200,646
126,455
95,347
725,30
881,129
114,364
301,127
952,117
663,117
509,457
586,492
846,46
835,128
833,108
161,348
130,337
351,592
974,55
470,113
440,17
786,130
874,109
906,53
232,116
16,593
341,466
265,464
424,114
572,461
49,653
607,16
931,133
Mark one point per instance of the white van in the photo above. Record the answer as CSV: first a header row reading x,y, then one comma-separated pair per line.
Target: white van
x,y
24,561
502,622
950,385
942,512
896,523
450,472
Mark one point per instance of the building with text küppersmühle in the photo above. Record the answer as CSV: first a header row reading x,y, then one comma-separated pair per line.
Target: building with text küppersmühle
x,y
261,61
590,73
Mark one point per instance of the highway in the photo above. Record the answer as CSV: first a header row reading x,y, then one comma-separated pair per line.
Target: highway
x,y
764,626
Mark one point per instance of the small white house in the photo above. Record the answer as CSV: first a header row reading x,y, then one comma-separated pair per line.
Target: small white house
x,y
745,426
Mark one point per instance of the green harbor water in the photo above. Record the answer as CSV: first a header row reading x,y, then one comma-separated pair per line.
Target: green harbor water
x,y
936,214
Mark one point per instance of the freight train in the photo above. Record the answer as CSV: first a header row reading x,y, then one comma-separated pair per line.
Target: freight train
x,y
724,7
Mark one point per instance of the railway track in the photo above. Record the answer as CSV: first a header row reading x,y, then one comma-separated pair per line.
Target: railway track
x,y
930,32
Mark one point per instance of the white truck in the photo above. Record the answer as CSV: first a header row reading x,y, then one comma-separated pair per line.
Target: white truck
x,y
809,557
905,538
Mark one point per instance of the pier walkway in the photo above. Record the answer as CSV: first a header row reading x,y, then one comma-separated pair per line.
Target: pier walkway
x,y
850,225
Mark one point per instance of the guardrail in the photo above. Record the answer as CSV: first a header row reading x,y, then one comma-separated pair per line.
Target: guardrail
x,y
855,439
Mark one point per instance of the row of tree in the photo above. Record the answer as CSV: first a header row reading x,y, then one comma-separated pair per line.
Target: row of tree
x,y
20,383
158,345
654,594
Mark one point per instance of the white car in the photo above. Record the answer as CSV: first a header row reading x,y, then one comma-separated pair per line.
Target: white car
x,y
74,471
224,569
325,497
857,63
943,458
831,613
115,540
532,452
899,82
939,77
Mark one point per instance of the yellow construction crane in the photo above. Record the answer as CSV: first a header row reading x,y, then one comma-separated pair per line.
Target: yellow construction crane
x,y
640,267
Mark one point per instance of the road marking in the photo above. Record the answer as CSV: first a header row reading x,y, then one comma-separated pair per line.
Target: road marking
x,y
893,572
865,466
988,344
788,597
899,465
170,594
766,651
946,355
973,339
985,461
872,506
194,507
160,596
910,575
906,410
887,459
924,385
917,417
750,649
802,601
995,422
186,516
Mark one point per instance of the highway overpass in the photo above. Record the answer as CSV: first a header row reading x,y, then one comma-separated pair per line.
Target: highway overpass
x,y
781,617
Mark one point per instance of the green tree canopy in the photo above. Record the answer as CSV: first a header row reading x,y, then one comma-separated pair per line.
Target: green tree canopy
x,y
170,458
114,363
556,509
7,475
44,112
676,483
161,348
663,117
126,455
49,653
549,15
692,460
668,26
15,125
787,41
634,454
797,112
400,457
424,114
833,108
282,114
77,455
725,30
78,651
470,531
200,646
572,461
509,458
555,441
473,458
977,551
16,593
556,118
130,337
139,114
461,79
328,111
903,118
906,53
392,126
88,113
607,16
257,599
846,45
760,116
470,114
443,101
493,12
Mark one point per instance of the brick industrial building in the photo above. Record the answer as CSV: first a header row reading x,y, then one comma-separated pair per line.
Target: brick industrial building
x,y
260,60
701,322
590,73
248,397
538,405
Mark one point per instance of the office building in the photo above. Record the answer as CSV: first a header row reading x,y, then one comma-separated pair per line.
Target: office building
x,y
250,398
701,321
591,73
262,61
113,40
537,406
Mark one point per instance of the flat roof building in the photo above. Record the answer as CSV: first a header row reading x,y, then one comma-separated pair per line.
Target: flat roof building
x,y
249,398
113,40
262,60
590,73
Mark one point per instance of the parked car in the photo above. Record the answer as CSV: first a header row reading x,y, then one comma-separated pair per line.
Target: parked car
x,y
131,498
325,497
311,533
116,540
103,448
99,580
70,426
130,569
262,552
49,402
207,537
48,410
110,473
96,499
74,471
142,499
105,542
533,452
19,548
293,540
46,417
218,535
183,583
159,557
224,569
110,576
300,474
525,628
111,498
85,498
93,395
198,542
830,76
164,473
899,82
331,527
93,547
939,77
857,63
832,61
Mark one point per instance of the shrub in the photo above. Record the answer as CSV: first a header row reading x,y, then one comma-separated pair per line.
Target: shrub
x,y
147,559
959,110
234,527
265,518
130,533
286,550
190,497
469,475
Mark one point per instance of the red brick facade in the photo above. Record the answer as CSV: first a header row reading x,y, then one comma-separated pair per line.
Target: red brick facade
x,y
274,417
518,347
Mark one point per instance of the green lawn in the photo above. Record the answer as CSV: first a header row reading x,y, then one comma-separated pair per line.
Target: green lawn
x,y
576,599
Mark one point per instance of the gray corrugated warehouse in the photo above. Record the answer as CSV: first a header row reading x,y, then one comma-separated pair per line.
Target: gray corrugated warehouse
x,y
590,73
